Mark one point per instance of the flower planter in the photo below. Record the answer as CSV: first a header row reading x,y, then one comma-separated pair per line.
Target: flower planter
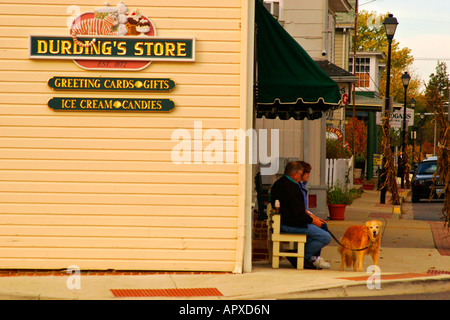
x,y
368,186
337,211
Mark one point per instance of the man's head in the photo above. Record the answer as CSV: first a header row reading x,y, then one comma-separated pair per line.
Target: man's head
x,y
306,171
294,169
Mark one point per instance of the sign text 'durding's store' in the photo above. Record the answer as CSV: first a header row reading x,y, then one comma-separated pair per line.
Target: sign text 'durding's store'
x,y
106,39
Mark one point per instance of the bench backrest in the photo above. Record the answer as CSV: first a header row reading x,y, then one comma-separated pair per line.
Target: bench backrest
x,y
273,220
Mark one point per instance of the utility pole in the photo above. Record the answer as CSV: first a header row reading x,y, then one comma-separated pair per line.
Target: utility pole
x,y
354,85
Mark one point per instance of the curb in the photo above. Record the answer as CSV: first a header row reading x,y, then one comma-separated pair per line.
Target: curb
x,y
360,289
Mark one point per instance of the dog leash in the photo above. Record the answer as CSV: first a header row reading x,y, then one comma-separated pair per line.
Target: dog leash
x,y
339,243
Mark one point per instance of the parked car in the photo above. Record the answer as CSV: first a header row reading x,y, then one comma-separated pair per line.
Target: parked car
x,y
422,181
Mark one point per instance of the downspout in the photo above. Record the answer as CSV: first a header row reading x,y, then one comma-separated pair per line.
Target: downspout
x,y
325,29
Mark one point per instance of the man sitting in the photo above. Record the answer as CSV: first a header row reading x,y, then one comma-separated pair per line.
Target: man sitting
x,y
294,217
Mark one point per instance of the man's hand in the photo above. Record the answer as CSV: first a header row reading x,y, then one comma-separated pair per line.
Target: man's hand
x,y
316,220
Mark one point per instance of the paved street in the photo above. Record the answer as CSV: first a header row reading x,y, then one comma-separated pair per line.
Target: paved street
x,y
424,210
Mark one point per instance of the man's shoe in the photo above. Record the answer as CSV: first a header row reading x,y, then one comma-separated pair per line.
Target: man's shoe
x,y
321,263
308,264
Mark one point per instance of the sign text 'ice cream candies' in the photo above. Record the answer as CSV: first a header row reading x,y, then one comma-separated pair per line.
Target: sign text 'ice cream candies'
x,y
112,38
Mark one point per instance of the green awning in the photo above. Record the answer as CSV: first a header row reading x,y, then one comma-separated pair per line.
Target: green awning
x,y
290,83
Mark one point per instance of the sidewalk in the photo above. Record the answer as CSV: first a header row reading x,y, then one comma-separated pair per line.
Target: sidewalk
x,y
409,263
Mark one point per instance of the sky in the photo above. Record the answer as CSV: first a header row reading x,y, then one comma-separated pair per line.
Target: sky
x,y
424,27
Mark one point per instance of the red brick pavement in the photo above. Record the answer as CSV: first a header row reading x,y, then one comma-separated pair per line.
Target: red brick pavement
x,y
441,236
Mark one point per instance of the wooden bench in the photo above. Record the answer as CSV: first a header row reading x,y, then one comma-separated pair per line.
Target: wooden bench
x,y
276,239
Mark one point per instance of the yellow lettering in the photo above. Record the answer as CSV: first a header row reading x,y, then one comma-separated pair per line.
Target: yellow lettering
x,y
149,48
159,49
138,49
65,47
77,49
52,46
106,48
170,49
68,104
181,49
95,48
42,46
122,49
108,104
107,83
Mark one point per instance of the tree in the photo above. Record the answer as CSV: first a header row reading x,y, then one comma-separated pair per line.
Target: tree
x,y
437,91
443,152
372,37
438,83
360,143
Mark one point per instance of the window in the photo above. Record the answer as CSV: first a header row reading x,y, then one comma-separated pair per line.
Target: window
x,y
362,71
274,7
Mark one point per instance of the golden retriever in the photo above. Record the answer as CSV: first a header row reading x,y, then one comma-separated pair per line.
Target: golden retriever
x,y
359,237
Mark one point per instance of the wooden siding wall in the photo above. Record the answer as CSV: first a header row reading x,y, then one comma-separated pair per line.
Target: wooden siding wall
x,y
99,190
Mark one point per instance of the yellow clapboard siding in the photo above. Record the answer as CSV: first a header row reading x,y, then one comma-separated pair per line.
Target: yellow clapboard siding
x,y
117,232
107,144
68,68
100,198
122,188
196,157
134,254
199,35
132,120
101,190
101,133
117,264
120,221
125,177
113,243
112,165
119,210
185,112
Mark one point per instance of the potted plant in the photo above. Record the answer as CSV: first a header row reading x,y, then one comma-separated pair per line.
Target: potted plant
x,y
338,197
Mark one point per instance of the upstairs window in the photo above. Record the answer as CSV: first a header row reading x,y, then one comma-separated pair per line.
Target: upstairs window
x,y
273,7
362,71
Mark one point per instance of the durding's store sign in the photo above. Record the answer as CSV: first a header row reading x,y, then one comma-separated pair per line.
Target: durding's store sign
x,y
112,38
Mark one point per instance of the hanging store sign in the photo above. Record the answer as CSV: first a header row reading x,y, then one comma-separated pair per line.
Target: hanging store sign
x,y
115,84
111,104
107,48
112,38
396,119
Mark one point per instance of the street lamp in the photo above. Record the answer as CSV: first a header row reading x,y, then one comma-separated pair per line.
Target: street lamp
x,y
405,79
390,26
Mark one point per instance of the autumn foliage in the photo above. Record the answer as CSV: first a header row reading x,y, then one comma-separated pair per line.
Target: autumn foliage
x,y
360,136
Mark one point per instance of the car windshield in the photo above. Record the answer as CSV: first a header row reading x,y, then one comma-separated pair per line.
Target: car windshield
x,y
427,168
